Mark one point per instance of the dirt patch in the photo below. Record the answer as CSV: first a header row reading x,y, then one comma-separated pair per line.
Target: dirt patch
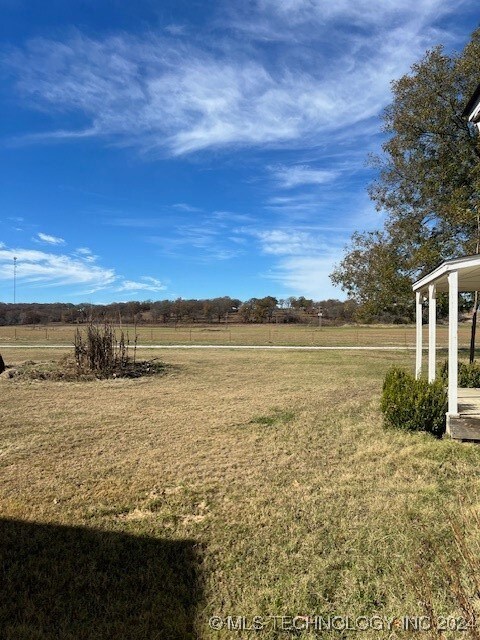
x,y
67,370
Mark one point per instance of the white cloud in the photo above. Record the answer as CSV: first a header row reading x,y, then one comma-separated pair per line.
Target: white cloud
x,y
176,29
42,269
146,283
205,240
304,259
364,11
308,276
48,269
279,242
86,254
294,176
48,239
300,205
163,94
274,20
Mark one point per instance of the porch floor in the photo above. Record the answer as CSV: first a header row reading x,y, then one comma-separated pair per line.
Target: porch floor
x,y
466,426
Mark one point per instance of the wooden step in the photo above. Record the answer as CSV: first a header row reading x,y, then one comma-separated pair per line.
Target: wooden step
x,y
464,427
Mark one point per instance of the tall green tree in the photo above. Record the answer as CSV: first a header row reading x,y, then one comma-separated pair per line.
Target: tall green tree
x,y
375,274
428,180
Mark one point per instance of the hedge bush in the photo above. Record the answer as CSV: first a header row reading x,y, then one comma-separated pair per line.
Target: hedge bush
x,y
414,405
468,374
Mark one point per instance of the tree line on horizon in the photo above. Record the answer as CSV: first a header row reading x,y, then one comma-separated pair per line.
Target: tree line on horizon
x,y
210,311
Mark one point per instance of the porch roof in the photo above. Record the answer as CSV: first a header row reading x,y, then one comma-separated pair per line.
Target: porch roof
x,y
472,109
468,275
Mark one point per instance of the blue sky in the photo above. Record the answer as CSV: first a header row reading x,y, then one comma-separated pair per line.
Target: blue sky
x,y
196,148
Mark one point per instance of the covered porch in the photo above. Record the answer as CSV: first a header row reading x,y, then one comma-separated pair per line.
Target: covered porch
x,y
451,277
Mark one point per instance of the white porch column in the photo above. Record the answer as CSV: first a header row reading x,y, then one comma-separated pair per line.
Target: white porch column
x,y
453,343
418,359
432,332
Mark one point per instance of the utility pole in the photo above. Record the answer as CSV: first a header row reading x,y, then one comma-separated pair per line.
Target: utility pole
x,y
14,279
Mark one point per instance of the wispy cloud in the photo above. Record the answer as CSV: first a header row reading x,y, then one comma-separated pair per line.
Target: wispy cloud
x,y
289,19
208,239
86,254
301,205
204,244
170,95
183,206
303,258
281,242
48,269
373,12
146,283
176,29
77,270
48,239
299,175
307,275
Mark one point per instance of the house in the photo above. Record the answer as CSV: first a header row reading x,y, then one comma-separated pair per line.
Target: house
x,y
452,277
472,110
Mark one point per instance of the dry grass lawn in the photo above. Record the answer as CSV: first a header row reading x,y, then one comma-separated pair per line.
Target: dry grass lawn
x,y
265,479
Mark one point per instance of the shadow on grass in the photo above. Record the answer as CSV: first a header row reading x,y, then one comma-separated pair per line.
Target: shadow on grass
x,y
72,583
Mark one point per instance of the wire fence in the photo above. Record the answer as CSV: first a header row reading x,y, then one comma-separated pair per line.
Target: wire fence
x,y
294,335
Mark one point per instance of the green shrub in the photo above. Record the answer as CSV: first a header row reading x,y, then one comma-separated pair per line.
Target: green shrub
x,y
413,405
468,374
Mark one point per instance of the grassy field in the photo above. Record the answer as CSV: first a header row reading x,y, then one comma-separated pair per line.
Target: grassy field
x,y
241,484
349,335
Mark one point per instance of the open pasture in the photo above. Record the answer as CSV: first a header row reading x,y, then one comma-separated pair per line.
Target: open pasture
x,y
240,483
244,334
